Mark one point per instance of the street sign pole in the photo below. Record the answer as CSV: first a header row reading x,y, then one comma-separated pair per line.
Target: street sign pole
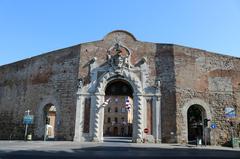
x,y
205,136
26,126
214,137
26,129
232,136
213,127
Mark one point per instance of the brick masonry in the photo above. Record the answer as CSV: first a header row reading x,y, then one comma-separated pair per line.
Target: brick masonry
x,y
187,75
34,83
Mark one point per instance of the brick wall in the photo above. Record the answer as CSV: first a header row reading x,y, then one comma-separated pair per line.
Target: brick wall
x,y
27,84
211,77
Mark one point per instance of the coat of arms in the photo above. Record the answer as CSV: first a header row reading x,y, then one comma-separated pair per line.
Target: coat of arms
x,y
119,57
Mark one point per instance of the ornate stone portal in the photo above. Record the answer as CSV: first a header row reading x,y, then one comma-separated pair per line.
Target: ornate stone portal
x,y
118,67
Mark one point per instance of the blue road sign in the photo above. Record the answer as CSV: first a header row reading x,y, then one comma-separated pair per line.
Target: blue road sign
x,y
28,119
230,112
213,125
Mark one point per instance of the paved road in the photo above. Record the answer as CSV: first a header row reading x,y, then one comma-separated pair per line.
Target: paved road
x,y
110,149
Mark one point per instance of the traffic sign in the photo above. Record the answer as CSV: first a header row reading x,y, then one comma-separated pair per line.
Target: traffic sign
x,y
230,112
146,130
213,125
28,119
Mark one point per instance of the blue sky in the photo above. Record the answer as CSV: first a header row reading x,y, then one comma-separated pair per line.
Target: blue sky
x,y
29,28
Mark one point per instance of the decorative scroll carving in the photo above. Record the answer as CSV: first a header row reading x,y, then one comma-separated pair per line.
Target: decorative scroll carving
x,y
80,83
96,124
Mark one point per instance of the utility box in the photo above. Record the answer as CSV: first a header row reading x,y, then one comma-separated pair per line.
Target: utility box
x,y
235,142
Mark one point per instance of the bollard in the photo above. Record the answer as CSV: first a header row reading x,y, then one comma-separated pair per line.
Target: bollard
x,y
199,141
29,137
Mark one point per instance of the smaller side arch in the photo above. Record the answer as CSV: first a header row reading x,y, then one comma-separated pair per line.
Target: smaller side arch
x,y
186,106
40,121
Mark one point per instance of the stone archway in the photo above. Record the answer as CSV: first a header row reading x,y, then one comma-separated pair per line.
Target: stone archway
x,y
97,109
204,107
118,110
50,115
195,116
41,117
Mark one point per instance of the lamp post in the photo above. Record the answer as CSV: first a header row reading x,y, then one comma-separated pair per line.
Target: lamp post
x,y
231,131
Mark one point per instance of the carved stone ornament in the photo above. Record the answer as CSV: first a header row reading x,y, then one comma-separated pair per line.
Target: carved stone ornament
x,y
80,83
119,57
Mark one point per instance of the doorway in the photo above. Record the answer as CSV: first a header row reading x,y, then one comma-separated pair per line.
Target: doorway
x,y
195,116
50,122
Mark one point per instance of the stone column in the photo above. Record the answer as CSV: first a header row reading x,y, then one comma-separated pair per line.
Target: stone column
x,y
137,119
79,119
92,117
96,117
157,118
101,118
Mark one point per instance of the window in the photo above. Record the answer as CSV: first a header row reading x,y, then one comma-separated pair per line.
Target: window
x,y
109,120
116,109
109,109
122,119
123,110
116,120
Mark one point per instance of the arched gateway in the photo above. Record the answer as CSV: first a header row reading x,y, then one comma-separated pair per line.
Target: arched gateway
x,y
118,109
97,107
137,105
91,99
194,113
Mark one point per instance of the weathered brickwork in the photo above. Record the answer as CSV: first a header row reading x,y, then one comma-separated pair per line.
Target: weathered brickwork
x,y
173,78
33,83
210,77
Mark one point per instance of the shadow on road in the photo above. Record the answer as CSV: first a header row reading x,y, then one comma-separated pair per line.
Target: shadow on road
x,y
118,139
107,152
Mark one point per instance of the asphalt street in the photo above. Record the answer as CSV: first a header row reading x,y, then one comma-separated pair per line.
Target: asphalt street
x,y
110,149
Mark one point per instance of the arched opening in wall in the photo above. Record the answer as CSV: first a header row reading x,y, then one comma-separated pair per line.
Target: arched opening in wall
x,y
195,116
50,122
118,110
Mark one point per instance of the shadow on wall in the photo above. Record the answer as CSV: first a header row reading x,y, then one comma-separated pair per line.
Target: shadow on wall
x,y
165,72
10,129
